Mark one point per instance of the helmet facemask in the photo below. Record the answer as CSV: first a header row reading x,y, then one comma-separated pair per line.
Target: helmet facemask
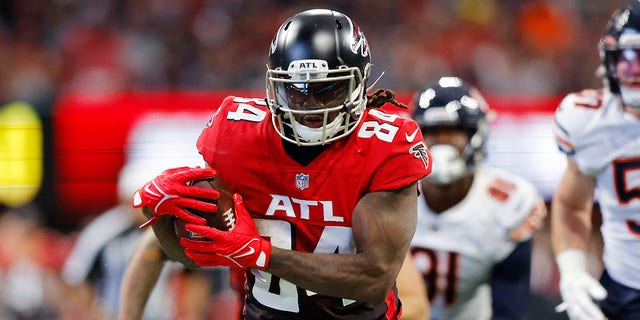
x,y
627,48
319,64
451,104
450,165
313,105
619,51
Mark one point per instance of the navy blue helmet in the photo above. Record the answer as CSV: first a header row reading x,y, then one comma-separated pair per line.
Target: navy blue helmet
x,y
621,40
453,103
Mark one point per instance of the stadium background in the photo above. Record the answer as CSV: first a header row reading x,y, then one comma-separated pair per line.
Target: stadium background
x,y
91,68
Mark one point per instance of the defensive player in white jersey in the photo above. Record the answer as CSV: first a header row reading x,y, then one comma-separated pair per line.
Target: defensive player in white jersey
x,y
599,130
473,239
325,183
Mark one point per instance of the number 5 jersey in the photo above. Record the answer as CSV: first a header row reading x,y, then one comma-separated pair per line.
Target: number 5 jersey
x,y
604,141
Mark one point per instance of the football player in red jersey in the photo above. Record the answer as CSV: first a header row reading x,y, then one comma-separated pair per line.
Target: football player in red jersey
x,y
325,182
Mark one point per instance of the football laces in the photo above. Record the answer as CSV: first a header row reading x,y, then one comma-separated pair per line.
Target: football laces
x,y
229,219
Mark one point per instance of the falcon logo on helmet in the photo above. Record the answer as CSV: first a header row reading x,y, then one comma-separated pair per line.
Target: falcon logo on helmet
x,y
319,64
359,44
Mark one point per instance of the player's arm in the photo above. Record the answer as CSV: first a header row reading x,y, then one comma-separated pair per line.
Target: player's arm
x,y
383,224
571,209
510,284
412,292
140,276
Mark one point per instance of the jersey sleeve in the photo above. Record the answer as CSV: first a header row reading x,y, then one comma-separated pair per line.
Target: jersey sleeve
x,y
524,229
572,114
520,214
207,140
520,210
408,160
527,213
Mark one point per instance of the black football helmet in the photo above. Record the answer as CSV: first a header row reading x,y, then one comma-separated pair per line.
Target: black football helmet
x,y
620,41
452,102
319,64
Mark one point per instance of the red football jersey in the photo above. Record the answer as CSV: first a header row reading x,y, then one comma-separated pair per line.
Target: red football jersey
x,y
308,208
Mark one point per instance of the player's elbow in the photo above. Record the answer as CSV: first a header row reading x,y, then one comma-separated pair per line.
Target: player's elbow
x,y
379,282
379,296
374,295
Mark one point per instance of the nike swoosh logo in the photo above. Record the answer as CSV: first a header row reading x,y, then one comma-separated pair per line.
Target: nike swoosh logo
x,y
248,253
412,136
147,189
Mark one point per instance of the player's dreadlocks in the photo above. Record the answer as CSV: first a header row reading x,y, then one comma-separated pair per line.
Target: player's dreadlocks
x,y
382,96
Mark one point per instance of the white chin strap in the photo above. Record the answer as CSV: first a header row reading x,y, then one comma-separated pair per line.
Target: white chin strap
x,y
448,166
315,135
630,96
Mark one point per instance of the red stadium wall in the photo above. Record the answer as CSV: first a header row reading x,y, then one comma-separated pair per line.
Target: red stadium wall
x,y
90,131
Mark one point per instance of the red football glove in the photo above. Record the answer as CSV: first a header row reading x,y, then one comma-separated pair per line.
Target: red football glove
x,y
169,193
241,247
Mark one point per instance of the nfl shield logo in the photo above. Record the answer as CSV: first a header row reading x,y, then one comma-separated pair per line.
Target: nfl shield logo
x,y
302,181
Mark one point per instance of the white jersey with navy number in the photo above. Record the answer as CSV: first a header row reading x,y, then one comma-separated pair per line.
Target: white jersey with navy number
x,y
604,140
457,249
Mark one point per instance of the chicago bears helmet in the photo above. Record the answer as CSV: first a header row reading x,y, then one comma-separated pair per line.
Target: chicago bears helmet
x,y
451,102
621,41
319,64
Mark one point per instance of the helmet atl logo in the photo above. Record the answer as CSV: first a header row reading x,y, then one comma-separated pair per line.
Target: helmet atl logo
x,y
302,181
359,43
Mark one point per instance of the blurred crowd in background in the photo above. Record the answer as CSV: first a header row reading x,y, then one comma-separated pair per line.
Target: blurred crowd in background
x,y
525,48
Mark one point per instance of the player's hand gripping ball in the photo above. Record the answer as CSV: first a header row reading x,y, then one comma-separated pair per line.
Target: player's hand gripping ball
x,y
193,200
223,219
170,194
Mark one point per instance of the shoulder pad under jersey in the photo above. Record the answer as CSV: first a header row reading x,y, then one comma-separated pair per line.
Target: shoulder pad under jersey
x,y
574,112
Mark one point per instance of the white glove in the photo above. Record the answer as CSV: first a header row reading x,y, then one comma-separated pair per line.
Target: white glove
x,y
578,288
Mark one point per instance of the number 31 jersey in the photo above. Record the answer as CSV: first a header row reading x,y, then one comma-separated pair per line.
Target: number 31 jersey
x,y
308,207
457,249
604,140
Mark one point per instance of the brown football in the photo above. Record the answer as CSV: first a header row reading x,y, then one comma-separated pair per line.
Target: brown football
x,y
169,230
223,219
